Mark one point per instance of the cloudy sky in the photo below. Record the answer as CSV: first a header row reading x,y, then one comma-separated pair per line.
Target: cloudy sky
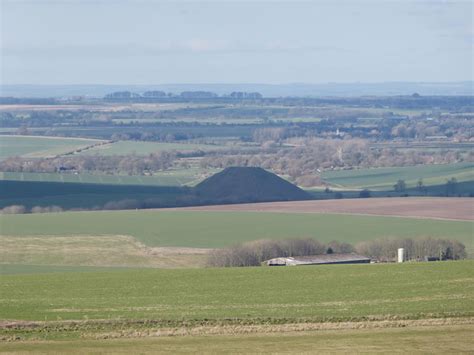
x,y
156,42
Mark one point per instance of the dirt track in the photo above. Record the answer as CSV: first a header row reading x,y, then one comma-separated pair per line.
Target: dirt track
x,y
426,207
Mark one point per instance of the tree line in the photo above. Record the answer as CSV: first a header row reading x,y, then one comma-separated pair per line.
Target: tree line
x,y
114,164
254,253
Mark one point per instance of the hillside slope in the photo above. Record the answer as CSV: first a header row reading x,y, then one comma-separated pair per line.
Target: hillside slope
x,y
248,184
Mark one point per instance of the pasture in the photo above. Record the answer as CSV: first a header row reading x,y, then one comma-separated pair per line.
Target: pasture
x,y
204,229
39,146
385,178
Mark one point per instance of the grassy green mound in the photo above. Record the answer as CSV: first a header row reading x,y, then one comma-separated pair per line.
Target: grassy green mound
x,y
248,184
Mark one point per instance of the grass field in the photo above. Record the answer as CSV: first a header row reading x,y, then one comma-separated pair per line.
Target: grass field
x,y
40,147
218,229
71,195
385,178
14,269
245,295
145,148
176,177
440,339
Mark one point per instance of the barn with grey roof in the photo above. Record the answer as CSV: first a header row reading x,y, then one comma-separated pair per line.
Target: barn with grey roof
x,y
323,259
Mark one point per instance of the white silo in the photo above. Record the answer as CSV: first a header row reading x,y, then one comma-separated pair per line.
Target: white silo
x,y
401,255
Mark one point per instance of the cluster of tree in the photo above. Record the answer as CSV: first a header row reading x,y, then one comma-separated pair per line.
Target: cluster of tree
x,y
115,164
255,252
46,209
415,249
13,209
383,250
451,186
20,209
245,95
441,127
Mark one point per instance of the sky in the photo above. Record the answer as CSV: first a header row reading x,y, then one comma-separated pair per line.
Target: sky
x,y
156,42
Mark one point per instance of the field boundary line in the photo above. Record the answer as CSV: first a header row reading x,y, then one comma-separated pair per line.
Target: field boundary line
x,y
203,209
109,329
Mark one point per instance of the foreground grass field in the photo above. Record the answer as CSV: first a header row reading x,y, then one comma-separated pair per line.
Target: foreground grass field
x,y
218,229
202,301
440,339
385,178
39,147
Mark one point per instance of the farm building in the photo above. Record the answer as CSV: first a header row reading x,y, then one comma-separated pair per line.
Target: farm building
x,y
318,260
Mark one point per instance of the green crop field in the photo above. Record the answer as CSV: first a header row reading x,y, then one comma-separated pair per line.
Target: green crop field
x,y
175,177
385,178
39,147
218,229
258,295
144,148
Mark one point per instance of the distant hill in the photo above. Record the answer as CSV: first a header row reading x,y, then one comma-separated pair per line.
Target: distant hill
x,y
248,184
267,90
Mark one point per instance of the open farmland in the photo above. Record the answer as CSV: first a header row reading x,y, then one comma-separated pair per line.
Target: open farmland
x,y
41,147
414,207
385,178
144,148
234,300
203,229
172,177
441,339
73,195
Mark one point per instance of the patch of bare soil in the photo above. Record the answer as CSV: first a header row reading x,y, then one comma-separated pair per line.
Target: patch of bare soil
x,y
137,329
449,208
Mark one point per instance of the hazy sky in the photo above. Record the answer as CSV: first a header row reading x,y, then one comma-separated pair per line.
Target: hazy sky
x,y
155,42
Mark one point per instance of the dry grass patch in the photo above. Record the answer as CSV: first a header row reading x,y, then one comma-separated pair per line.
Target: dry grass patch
x,y
120,251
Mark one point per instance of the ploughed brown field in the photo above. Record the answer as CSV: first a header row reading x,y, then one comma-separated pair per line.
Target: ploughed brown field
x,y
416,207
